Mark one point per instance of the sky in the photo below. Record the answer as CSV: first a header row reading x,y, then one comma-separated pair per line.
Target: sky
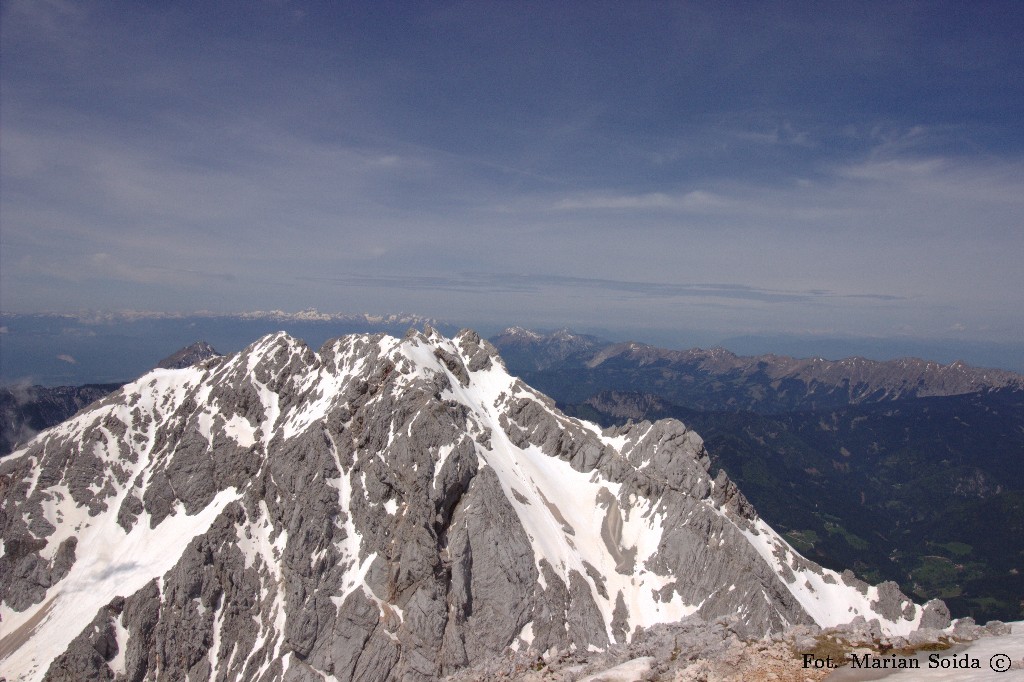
x,y
834,169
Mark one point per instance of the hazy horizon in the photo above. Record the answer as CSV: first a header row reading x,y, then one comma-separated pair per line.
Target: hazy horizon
x,y
113,347
686,170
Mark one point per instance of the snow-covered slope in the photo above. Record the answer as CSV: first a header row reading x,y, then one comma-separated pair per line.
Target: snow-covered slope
x,y
382,509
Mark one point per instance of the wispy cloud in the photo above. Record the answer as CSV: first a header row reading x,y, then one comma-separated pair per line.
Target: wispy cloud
x,y
944,179
489,283
696,201
784,134
632,162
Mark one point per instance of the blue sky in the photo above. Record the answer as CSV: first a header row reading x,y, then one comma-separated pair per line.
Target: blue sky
x,y
834,169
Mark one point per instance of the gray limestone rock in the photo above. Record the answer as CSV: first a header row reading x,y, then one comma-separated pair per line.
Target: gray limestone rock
x,y
859,631
25,575
491,570
852,580
936,616
997,628
550,611
586,626
63,560
454,365
140,615
892,603
923,637
620,616
966,630
87,656
383,514
129,512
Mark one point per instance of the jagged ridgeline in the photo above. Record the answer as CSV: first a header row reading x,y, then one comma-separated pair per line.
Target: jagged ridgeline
x,y
381,509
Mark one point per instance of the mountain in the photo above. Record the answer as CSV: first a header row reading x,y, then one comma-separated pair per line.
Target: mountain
x,y
381,509
189,355
717,379
928,492
904,470
523,348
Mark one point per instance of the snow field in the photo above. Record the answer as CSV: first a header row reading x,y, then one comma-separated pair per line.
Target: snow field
x,y
110,563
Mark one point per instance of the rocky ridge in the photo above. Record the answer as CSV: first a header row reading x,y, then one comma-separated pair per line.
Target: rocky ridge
x,y
572,368
27,410
381,509
868,379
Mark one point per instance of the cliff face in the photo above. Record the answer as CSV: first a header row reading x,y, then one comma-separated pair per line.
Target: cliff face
x,y
381,509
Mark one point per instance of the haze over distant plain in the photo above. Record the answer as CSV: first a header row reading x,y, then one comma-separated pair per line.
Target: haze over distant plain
x,y
717,169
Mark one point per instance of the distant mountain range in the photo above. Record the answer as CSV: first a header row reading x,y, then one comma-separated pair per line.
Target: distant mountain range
x,y
905,470
307,315
571,368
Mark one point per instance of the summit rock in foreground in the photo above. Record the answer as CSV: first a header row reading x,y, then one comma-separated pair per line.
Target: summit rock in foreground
x,y
381,509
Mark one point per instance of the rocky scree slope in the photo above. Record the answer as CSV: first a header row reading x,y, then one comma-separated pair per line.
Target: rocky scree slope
x,y
381,509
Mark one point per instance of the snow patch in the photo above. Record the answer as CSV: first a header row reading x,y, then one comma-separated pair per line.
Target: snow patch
x,y
110,563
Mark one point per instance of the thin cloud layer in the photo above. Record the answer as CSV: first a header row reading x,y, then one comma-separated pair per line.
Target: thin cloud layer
x,y
482,283
688,166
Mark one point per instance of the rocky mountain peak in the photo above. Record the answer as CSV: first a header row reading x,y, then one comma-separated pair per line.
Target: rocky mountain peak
x,y
379,509
189,355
